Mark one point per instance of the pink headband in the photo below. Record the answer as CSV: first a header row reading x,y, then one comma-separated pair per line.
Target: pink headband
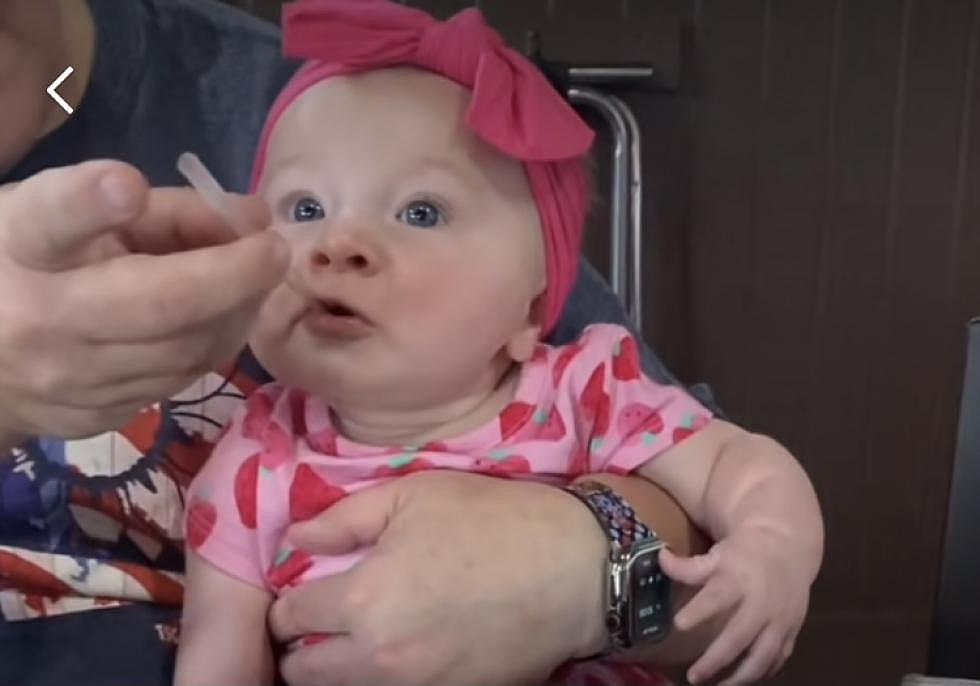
x,y
513,107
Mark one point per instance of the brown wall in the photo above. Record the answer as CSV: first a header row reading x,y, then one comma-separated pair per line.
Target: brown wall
x,y
812,212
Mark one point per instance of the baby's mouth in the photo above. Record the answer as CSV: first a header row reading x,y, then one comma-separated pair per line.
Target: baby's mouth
x,y
334,319
336,308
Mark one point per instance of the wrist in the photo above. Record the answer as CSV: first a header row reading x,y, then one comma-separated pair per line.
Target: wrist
x,y
636,595
657,509
804,547
592,637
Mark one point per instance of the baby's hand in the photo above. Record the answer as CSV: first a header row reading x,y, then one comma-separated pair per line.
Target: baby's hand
x,y
756,578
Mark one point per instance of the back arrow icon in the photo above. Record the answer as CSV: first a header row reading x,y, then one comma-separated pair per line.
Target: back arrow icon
x,y
57,82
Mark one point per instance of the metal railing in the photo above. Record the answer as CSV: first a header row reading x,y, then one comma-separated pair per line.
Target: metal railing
x,y
580,83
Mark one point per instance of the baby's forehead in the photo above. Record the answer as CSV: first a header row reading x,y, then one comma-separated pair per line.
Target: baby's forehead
x,y
396,112
389,98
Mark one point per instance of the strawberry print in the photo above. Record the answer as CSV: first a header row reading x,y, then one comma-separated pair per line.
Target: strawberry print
x,y
201,518
401,465
602,416
260,425
597,406
682,432
258,414
638,419
626,360
310,494
566,355
297,410
514,417
435,447
278,446
688,426
290,564
594,391
502,464
552,426
324,441
246,491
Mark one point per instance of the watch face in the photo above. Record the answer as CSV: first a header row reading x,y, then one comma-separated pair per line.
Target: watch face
x,y
650,615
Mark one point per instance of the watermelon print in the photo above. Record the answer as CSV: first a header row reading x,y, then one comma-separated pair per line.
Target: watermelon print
x,y
310,494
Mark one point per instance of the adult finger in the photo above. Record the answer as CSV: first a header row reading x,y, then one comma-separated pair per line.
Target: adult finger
x,y
785,653
712,600
316,607
336,661
141,297
178,219
357,521
194,353
45,219
762,656
693,571
737,635
45,419
137,392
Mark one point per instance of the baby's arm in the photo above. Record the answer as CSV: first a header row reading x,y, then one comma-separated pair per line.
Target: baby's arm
x,y
729,480
223,636
757,502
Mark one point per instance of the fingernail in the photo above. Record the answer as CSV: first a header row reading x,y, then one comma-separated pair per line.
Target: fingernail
x,y
693,677
116,195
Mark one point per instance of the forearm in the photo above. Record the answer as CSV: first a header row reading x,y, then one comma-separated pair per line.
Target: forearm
x,y
756,483
661,512
221,611
204,657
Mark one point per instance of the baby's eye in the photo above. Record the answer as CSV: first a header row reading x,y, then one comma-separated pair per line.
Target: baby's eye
x,y
307,210
422,214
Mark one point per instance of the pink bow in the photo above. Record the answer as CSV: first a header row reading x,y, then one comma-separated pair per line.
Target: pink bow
x,y
513,107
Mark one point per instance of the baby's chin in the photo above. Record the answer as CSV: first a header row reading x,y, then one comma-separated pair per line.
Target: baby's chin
x,y
290,363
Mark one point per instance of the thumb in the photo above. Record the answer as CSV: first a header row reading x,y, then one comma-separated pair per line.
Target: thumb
x,y
47,218
692,571
356,521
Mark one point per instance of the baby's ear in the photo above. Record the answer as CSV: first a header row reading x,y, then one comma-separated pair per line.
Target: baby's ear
x,y
522,344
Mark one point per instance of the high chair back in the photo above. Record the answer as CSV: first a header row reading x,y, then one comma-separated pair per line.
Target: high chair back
x,y
955,644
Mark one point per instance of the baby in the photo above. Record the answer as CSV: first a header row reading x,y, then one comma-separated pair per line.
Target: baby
x,y
433,188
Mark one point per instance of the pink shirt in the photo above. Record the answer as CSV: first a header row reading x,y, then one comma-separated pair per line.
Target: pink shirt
x,y
581,408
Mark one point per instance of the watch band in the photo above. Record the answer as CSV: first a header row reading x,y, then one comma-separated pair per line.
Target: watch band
x,y
616,516
629,540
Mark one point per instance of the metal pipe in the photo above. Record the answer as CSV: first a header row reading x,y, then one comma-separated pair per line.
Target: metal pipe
x,y
635,300
618,75
620,183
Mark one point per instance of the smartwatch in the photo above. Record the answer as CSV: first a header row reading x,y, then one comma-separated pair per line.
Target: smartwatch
x,y
638,603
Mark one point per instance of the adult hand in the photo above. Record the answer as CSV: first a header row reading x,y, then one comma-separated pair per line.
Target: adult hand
x,y
116,295
471,581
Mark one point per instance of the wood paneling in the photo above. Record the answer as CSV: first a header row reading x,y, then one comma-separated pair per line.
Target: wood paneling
x,y
828,154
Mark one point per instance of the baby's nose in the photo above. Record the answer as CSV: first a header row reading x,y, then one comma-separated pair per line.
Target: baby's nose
x,y
345,255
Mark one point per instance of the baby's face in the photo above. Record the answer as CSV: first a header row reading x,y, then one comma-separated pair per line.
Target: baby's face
x,y
417,250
